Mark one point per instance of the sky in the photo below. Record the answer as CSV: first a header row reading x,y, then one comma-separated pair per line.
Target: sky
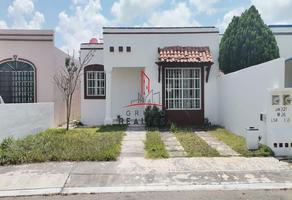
x,y
76,21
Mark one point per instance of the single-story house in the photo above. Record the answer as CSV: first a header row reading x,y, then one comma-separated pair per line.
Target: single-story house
x,y
29,61
174,68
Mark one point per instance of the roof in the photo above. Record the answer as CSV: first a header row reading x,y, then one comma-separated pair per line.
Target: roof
x,y
160,30
280,26
26,35
185,54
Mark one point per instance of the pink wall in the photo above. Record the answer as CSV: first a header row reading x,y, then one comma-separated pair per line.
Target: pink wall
x,y
38,47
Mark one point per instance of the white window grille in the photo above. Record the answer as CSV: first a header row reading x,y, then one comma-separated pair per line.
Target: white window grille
x,y
183,88
95,83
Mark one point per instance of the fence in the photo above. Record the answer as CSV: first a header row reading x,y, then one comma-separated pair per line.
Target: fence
x,y
18,120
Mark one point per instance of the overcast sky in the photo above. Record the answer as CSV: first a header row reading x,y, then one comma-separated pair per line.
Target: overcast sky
x,y
77,21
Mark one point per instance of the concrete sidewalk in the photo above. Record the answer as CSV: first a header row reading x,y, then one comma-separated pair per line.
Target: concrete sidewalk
x,y
139,174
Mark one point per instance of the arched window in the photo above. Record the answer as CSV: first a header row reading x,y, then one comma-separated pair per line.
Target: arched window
x,y
17,81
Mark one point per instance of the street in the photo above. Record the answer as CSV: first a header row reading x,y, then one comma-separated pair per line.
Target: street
x,y
202,195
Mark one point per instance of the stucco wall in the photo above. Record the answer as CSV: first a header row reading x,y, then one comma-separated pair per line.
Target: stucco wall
x,y
92,110
144,53
283,35
243,94
37,46
19,120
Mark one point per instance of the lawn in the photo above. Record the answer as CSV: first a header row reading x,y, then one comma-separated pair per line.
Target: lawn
x,y
154,146
82,144
238,144
194,145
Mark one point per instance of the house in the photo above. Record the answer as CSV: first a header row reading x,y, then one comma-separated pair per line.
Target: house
x,y
29,61
174,68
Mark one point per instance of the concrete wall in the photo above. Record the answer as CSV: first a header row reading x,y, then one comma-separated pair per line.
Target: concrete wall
x,y
37,46
243,95
19,120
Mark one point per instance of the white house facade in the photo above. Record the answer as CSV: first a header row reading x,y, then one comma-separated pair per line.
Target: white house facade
x,y
174,68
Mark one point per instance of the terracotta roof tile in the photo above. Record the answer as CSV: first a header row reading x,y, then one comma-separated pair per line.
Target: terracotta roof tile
x,y
185,54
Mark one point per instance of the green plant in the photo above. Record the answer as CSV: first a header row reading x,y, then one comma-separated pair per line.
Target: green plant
x,y
154,146
174,128
82,144
153,116
238,144
246,42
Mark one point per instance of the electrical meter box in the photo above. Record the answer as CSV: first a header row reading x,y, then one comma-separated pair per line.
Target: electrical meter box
x,y
279,121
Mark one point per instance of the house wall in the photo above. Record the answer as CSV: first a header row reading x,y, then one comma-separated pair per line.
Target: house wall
x,y
144,43
37,46
92,110
30,118
243,95
283,35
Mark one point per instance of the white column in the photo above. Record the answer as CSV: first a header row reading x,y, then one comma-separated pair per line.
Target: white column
x,y
108,99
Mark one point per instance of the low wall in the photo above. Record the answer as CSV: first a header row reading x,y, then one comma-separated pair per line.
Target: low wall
x,y
243,95
19,120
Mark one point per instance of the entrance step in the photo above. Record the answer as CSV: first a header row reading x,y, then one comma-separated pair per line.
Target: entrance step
x,y
172,145
222,148
133,142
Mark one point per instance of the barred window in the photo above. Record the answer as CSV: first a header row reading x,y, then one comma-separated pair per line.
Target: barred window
x,y
95,83
183,88
17,82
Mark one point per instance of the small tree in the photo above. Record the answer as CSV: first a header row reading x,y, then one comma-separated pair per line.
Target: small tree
x,y
247,41
67,79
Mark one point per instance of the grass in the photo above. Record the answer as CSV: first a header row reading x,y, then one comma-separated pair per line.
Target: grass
x,y
154,146
194,145
82,144
238,144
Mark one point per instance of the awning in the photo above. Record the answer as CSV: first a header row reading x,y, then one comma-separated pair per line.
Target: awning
x,y
185,55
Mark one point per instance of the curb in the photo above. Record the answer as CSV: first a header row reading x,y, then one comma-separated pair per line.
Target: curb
x,y
153,188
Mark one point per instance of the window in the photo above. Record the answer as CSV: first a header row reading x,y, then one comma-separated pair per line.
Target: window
x,y
95,83
17,81
183,88
128,49
111,49
121,49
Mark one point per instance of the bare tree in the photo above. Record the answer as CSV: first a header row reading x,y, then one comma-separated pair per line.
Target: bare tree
x,y
68,78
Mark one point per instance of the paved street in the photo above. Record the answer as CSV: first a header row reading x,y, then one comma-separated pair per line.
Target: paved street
x,y
139,175
202,195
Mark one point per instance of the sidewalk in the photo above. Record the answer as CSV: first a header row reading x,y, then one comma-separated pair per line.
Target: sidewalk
x,y
139,174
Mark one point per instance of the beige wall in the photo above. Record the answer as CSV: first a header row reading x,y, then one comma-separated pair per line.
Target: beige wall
x,y
37,46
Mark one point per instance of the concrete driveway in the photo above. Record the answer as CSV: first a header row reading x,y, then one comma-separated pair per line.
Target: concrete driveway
x,y
139,174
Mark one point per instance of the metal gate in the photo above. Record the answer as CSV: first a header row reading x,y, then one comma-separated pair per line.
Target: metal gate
x,y
17,86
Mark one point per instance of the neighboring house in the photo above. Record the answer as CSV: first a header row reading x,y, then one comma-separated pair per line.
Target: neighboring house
x,y
28,62
175,68
283,35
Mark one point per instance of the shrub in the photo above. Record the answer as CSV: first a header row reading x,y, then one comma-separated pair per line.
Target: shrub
x,y
174,128
153,116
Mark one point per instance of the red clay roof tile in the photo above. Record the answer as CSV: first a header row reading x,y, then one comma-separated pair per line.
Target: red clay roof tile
x,y
185,54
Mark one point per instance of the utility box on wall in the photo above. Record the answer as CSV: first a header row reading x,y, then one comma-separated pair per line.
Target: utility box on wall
x,y
279,121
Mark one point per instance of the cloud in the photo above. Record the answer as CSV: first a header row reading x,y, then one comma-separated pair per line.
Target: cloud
x,y
180,15
222,25
23,15
274,11
205,6
3,24
125,11
85,22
